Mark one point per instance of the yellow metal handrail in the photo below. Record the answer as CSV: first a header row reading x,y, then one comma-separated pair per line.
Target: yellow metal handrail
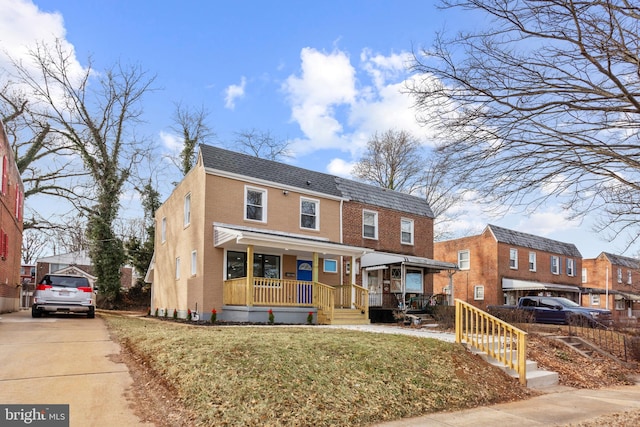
x,y
498,339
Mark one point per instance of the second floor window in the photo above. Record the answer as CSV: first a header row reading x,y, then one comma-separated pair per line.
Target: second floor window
x,y
629,277
584,275
619,275
163,230
464,260
406,231
571,267
555,264
532,261
187,209
309,214
370,224
513,259
255,204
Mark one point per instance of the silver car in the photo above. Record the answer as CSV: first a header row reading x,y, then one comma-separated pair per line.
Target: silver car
x,y
61,293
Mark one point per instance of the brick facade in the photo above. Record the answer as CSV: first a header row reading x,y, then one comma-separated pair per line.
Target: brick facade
x,y
11,211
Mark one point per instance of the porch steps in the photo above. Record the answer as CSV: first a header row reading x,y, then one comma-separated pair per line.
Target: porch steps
x,y
536,378
346,316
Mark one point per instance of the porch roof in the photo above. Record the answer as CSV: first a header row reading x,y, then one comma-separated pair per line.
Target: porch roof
x,y
225,235
626,295
524,285
379,259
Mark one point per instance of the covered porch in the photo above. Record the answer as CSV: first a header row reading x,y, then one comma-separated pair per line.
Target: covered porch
x,y
292,275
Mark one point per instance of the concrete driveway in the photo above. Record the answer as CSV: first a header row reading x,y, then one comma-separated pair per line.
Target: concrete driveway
x,y
65,360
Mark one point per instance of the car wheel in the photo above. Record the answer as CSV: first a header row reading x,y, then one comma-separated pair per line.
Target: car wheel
x,y
35,312
91,313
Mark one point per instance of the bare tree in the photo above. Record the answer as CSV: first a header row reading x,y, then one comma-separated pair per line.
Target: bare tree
x,y
46,164
393,160
33,245
192,125
543,103
262,144
94,114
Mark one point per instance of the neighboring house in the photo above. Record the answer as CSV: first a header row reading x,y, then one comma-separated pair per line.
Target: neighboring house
x,y
499,266
77,264
244,235
11,217
613,282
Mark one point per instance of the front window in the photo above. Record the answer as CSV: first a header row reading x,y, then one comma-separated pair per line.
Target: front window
x,y
513,259
595,299
478,292
194,258
629,277
309,214
330,266
370,224
406,231
555,265
177,268
619,275
463,260
571,267
413,281
255,204
584,275
532,261
263,265
163,228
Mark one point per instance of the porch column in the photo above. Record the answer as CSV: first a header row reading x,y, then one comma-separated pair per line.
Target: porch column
x,y
249,283
314,278
353,270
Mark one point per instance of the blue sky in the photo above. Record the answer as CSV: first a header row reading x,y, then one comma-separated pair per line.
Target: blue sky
x,y
325,75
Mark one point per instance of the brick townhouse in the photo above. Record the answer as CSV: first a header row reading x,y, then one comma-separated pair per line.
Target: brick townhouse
x,y
499,265
613,282
11,217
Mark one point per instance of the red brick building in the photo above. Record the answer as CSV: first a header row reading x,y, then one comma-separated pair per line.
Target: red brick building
x,y
613,282
499,266
11,216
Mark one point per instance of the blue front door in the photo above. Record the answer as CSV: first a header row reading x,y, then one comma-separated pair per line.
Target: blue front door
x,y
304,272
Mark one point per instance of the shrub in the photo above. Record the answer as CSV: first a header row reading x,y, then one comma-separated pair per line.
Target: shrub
x,y
214,315
272,318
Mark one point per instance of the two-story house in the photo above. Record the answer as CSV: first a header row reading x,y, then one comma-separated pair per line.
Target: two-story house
x,y
11,216
245,235
613,282
500,265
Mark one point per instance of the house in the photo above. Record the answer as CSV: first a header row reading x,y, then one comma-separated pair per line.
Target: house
x,y
11,217
613,282
245,235
499,265
78,263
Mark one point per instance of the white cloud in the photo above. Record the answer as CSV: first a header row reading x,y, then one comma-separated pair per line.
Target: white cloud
x,y
340,168
233,92
171,142
547,222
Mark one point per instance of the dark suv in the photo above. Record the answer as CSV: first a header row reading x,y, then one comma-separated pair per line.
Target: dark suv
x,y
61,293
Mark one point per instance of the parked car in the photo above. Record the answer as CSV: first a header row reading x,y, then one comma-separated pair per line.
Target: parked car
x,y
61,293
557,310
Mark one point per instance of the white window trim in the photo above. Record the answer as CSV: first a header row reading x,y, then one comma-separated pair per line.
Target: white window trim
x,y
317,216
513,257
194,263
248,188
619,275
187,209
324,266
478,292
411,223
584,275
555,270
177,268
163,229
571,265
533,262
375,216
629,277
594,299
468,260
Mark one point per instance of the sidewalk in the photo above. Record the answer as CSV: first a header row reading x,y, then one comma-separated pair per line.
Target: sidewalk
x,y
560,406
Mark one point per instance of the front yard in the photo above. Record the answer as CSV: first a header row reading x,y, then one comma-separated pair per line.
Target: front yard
x,y
263,375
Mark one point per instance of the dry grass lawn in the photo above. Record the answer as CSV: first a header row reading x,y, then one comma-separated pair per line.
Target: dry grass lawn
x,y
264,375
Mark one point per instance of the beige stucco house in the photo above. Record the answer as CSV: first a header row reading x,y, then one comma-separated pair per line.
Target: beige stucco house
x,y
244,235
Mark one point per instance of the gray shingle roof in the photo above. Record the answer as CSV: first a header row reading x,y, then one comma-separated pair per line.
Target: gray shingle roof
x,y
307,180
623,261
517,238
